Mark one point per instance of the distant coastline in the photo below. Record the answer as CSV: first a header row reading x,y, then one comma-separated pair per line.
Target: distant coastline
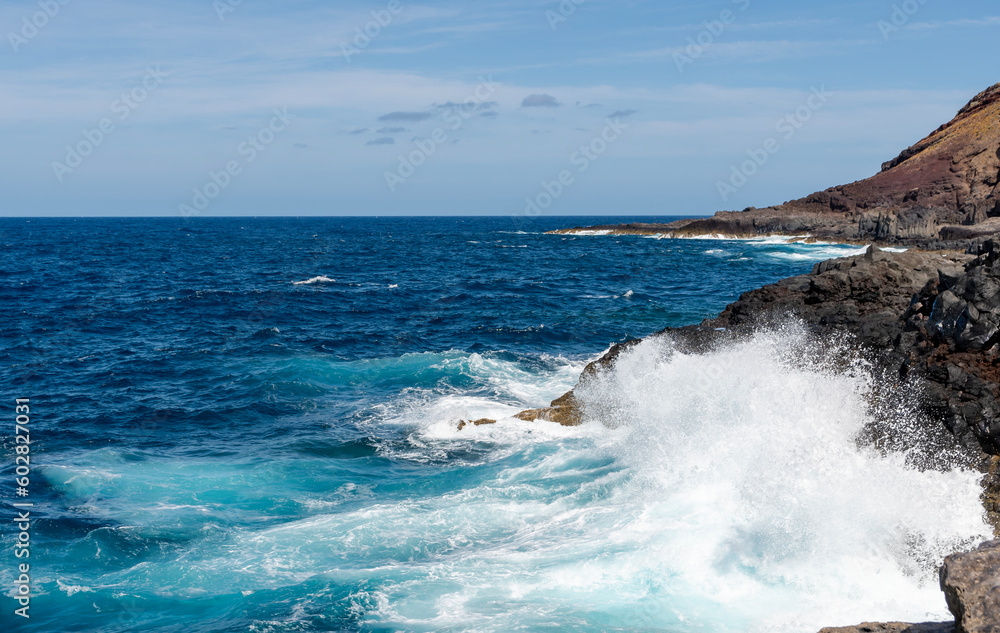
x,y
938,194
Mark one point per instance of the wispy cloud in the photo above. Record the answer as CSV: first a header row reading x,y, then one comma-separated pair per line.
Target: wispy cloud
x,y
741,26
540,101
404,50
975,22
746,51
466,29
413,117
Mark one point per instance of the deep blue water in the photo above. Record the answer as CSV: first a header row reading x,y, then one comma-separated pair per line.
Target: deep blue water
x,y
219,448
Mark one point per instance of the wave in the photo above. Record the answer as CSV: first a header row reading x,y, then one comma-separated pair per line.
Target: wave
x,y
804,241
753,488
818,253
315,280
590,232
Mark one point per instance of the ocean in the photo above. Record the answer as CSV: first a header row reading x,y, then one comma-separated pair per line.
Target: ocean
x,y
251,424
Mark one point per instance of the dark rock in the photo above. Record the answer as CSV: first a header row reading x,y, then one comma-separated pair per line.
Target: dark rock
x,y
991,494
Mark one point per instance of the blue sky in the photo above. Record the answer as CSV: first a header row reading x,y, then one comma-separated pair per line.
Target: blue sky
x,y
253,107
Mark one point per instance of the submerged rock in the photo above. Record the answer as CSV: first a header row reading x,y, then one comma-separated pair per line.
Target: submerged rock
x,y
481,422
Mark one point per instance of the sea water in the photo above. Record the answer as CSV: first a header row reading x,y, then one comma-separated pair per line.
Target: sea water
x,y
252,425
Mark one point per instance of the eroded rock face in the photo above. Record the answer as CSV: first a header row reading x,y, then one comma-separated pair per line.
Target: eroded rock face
x,y
949,338
865,295
971,585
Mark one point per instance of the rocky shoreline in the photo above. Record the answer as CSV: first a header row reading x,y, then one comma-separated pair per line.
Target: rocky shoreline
x,y
927,319
929,322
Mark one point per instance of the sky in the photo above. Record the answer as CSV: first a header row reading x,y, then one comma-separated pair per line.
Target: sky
x,y
393,107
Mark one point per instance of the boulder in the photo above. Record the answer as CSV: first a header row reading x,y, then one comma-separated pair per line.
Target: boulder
x,y
971,585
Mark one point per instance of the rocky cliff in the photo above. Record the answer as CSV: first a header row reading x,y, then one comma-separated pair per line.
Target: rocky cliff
x,y
943,188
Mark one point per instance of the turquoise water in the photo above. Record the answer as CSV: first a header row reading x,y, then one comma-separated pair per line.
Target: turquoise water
x,y
251,425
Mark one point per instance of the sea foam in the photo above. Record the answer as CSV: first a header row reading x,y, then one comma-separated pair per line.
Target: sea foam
x,y
315,280
752,490
730,491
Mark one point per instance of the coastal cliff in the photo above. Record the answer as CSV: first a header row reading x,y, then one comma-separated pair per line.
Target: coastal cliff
x,y
942,189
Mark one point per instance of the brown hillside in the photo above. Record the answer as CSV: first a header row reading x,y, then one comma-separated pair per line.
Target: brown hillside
x,y
943,187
